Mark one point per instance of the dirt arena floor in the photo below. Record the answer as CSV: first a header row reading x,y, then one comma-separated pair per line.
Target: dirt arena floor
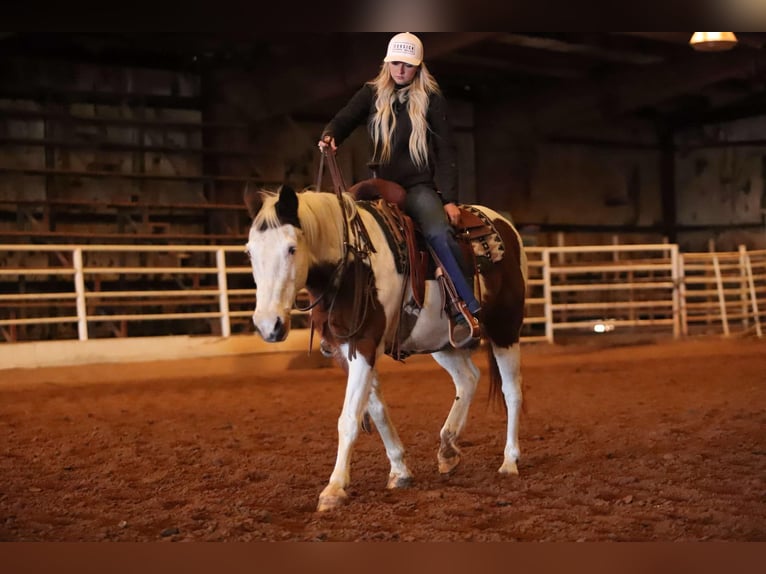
x,y
641,442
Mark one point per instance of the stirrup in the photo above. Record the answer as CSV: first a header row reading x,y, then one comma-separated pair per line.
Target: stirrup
x,y
466,332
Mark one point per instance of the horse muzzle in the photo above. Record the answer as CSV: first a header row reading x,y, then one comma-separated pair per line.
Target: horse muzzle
x,y
272,331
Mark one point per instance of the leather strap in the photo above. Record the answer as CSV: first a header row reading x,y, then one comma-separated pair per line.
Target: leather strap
x,y
320,174
356,245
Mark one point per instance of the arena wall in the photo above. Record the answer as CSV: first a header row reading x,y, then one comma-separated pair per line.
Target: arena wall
x,y
140,349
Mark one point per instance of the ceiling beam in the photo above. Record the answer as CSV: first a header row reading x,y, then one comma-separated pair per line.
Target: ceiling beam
x,y
508,66
751,39
669,37
748,107
613,96
337,64
583,49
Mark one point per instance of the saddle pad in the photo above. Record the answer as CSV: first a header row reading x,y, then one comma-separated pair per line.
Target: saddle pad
x,y
485,240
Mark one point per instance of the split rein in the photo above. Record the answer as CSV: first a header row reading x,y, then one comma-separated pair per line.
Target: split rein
x,y
356,245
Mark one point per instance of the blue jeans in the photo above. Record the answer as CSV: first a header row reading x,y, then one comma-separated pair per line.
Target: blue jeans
x,y
424,206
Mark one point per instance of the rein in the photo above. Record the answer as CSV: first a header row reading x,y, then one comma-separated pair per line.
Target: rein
x,y
356,226
333,279
357,246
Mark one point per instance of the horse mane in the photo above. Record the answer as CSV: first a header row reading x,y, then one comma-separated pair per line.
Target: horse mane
x,y
319,214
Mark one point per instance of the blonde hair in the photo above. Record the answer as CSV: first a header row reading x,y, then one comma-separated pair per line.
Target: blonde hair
x,y
383,122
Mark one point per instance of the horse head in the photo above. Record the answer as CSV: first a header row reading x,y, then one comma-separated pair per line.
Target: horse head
x,y
279,258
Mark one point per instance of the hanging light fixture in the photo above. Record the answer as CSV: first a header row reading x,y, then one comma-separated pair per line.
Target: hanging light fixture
x,y
713,41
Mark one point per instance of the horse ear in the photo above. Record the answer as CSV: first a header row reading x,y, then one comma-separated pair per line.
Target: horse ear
x,y
287,206
253,200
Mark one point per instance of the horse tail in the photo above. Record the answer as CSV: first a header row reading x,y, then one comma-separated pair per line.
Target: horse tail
x,y
495,380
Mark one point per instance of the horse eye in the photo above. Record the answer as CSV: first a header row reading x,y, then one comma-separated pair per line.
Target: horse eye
x,y
291,250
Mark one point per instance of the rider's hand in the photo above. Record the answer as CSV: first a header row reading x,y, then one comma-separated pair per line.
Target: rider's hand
x,y
327,141
453,213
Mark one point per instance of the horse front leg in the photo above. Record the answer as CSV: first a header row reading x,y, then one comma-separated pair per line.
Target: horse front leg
x,y
400,475
509,364
358,384
465,376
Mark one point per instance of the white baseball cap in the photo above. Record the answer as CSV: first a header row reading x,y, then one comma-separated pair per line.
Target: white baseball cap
x,y
405,47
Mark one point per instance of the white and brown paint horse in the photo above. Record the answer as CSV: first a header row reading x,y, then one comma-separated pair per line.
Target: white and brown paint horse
x,y
296,241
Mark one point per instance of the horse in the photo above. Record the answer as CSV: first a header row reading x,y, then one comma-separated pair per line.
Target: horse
x,y
301,240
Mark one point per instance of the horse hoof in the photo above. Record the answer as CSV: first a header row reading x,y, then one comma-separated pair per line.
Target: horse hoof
x,y
399,482
448,465
330,502
331,497
509,468
448,455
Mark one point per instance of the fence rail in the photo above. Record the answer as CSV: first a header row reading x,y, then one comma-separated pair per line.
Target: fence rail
x,y
97,291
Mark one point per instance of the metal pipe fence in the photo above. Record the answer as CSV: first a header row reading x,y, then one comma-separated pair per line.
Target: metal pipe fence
x,y
96,291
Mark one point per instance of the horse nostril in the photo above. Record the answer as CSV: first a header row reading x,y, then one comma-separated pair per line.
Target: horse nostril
x,y
279,327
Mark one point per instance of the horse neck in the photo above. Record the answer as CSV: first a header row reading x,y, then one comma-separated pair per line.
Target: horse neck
x,y
324,226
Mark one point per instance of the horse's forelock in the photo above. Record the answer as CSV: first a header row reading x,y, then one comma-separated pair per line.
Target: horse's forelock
x,y
267,217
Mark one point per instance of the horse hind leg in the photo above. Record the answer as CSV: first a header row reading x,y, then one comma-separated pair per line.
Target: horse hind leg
x,y
465,377
400,475
509,364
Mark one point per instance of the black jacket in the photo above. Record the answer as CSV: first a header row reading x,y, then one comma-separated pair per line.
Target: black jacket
x,y
441,171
